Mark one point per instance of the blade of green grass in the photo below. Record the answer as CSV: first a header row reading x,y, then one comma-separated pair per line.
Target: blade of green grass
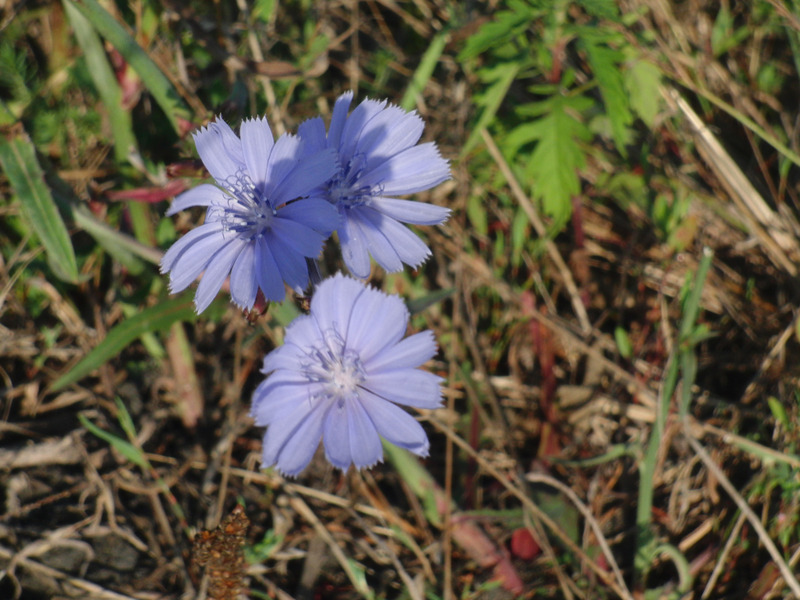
x,y
18,159
680,364
128,450
104,80
153,79
156,318
424,70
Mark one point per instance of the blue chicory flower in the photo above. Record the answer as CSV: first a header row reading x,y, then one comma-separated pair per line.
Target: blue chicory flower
x,y
342,372
379,158
262,221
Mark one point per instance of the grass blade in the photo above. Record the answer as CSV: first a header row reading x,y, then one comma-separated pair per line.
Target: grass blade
x,y
424,70
104,81
126,449
18,159
156,318
154,80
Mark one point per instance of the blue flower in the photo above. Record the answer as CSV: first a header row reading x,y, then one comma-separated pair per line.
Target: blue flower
x,y
379,158
262,219
340,375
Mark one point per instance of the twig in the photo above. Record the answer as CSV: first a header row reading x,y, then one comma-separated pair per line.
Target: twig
x,y
790,579
722,559
538,225
94,590
536,512
299,505
598,533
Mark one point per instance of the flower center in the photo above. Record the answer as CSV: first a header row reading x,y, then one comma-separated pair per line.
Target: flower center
x,y
335,366
243,210
346,190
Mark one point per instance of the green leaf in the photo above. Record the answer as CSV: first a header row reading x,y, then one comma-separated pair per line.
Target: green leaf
x,y
602,9
156,318
520,229
128,450
417,305
104,81
476,212
18,159
623,342
605,62
153,79
506,25
643,84
558,157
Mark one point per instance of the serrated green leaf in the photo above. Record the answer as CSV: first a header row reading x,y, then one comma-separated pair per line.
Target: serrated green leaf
x,y
18,159
153,79
506,25
104,81
602,9
643,84
156,318
558,157
605,62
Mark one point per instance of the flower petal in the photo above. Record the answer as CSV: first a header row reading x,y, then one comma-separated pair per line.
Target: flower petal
x,y
333,301
216,271
338,119
284,158
354,125
291,264
312,132
412,170
275,396
381,321
244,286
350,437
353,244
312,171
404,243
411,387
409,353
390,131
257,142
411,211
396,426
191,238
380,246
297,236
267,273
303,425
316,213
220,150
202,195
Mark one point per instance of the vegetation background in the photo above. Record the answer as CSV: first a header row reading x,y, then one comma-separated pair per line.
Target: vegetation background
x,y
615,298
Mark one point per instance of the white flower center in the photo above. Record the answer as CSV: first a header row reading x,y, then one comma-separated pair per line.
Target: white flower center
x,y
338,368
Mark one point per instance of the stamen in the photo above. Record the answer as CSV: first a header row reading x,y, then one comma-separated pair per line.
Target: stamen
x,y
337,368
244,211
346,190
